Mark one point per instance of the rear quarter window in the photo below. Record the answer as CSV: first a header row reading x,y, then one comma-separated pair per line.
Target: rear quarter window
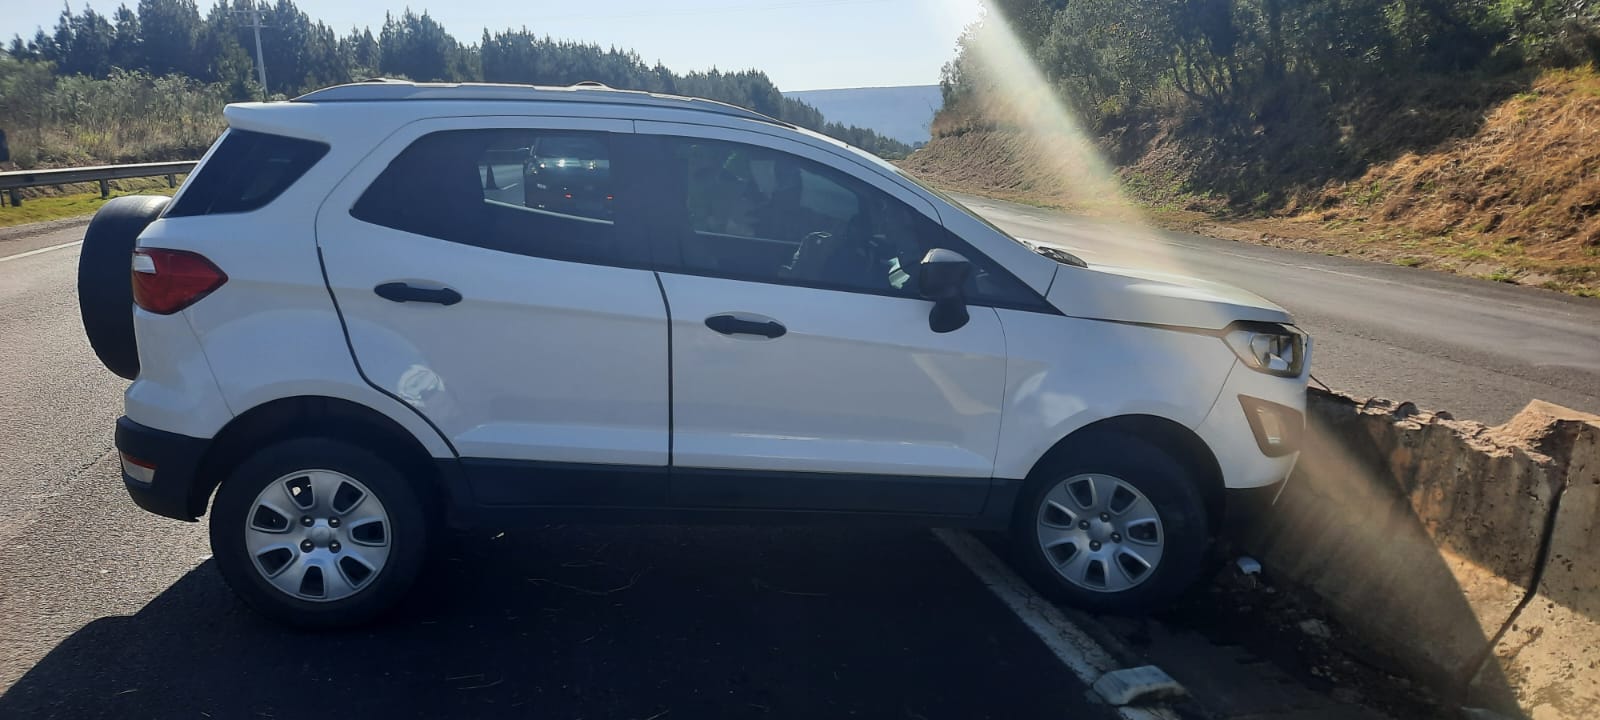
x,y
246,171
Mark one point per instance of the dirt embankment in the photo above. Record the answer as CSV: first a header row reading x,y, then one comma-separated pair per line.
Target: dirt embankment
x,y
1511,192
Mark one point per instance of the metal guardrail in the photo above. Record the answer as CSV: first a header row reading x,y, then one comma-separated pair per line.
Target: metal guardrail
x,y
13,181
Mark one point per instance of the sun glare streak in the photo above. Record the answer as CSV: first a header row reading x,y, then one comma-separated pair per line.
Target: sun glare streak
x,y
1017,98
1021,95
1070,168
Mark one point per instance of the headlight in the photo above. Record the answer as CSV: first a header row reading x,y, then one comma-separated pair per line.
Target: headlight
x,y
1268,347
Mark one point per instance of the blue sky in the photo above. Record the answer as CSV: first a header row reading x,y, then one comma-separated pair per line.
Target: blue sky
x,y
801,44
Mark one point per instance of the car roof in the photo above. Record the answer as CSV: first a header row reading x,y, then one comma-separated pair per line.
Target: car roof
x,y
387,90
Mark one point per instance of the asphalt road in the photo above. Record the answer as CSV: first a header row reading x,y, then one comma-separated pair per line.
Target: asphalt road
x,y
1476,348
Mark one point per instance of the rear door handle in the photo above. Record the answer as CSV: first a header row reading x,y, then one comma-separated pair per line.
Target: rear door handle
x,y
401,292
732,325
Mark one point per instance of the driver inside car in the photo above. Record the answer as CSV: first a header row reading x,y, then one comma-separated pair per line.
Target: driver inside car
x,y
862,255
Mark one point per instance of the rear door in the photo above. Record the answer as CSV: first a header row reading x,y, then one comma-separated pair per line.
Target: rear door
x,y
487,277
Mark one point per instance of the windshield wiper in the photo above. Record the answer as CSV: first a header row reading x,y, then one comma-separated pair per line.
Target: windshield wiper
x,y
1057,254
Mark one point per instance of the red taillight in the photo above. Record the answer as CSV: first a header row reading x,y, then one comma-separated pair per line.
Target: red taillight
x,y
166,281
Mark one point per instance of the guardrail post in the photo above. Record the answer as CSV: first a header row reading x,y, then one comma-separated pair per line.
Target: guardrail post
x,y
12,181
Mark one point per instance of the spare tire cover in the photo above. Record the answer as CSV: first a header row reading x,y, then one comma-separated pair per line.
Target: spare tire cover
x,y
105,285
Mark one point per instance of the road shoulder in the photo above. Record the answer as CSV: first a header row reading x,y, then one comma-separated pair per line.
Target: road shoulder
x,y
19,239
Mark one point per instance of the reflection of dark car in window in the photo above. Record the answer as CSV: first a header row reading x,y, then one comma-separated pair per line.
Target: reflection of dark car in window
x,y
569,175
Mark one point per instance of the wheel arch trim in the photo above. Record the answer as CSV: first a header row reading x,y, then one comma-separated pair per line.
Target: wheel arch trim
x,y
315,415
1186,447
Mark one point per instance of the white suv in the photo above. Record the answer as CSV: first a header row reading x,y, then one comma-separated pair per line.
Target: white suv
x,y
383,309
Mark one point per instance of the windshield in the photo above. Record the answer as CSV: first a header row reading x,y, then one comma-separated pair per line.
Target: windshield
x,y
942,195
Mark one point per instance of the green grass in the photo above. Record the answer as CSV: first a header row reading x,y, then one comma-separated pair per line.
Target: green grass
x,y
40,209
1371,195
1470,253
1579,272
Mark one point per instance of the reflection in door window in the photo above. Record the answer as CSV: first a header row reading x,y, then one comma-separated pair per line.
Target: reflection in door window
x,y
569,174
533,192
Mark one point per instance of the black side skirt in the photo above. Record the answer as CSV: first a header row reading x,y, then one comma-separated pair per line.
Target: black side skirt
x,y
519,492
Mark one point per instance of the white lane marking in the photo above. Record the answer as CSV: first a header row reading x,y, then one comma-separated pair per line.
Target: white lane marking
x,y
1129,712
1079,652
39,251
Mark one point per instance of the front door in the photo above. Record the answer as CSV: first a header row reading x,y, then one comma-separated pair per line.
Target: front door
x,y
805,374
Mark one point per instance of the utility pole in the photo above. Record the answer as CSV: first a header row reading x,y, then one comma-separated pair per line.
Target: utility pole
x,y
255,24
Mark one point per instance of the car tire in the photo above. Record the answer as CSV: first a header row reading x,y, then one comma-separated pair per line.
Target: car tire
x,y
105,283
1119,503
317,498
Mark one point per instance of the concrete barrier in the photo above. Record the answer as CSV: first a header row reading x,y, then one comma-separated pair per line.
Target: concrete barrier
x,y
1551,652
1463,554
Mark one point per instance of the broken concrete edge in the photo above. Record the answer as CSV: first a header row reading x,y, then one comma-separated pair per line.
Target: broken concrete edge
x,y
1142,687
1552,650
1130,712
1530,431
1545,432
1430,537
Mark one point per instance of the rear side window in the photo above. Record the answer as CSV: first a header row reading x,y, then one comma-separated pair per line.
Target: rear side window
x,y
542,193
247,170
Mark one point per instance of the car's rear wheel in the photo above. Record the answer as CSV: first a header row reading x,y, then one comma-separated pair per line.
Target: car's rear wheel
x,y
1112,524
105,284
317,532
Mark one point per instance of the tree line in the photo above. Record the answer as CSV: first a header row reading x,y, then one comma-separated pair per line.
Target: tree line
x,y
1261,103
1240,61
173,37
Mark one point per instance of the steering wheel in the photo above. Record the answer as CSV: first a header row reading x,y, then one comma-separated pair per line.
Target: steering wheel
x,y
811,258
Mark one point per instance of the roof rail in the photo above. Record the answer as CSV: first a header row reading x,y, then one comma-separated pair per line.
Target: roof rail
x,y
386,89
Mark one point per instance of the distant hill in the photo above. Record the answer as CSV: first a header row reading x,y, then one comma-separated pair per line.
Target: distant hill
x,y
902,113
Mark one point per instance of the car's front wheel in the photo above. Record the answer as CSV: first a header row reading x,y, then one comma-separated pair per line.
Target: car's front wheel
x,y
1114,524
317,532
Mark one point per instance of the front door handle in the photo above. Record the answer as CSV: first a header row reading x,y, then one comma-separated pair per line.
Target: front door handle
x,y
731,325
401,292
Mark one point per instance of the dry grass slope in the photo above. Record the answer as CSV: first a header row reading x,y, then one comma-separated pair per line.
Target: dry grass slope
x,y
1524,189
1513,196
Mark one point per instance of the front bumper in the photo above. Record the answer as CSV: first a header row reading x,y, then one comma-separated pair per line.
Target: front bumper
x,y
161,470
1252,454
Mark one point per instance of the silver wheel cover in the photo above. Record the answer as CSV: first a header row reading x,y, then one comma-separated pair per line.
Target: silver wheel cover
x,y
318,535
1100,533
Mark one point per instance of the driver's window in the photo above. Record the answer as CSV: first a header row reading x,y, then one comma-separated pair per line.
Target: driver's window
x,y
758,214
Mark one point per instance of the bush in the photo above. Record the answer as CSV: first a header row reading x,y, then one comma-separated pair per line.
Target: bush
x,y
127,117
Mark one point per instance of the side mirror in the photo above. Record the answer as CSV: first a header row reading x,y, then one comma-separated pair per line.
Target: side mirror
x,y
942,278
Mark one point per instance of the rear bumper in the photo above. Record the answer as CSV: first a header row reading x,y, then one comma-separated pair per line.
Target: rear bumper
x,y
170,465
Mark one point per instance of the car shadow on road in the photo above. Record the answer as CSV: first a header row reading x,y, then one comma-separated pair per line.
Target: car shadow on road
x,y
600,622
